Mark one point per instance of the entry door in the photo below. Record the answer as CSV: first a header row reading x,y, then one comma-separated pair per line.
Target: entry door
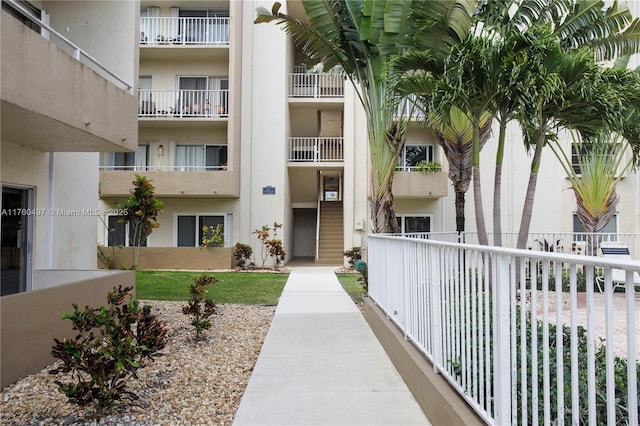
x,y
331,187
16,224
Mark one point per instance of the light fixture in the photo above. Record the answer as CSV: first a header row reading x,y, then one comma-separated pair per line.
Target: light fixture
x,y
161,150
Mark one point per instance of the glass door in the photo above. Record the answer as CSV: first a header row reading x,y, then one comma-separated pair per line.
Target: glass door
x,y
16,225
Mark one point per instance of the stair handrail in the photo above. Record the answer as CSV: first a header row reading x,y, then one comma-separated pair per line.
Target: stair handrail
x,y
318,227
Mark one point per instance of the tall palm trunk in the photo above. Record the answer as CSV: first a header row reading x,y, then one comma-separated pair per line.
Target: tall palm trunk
x,y
477,190
497,187
527,209
383,213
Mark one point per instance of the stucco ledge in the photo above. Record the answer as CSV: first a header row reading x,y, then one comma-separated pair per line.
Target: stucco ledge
x,y
439,401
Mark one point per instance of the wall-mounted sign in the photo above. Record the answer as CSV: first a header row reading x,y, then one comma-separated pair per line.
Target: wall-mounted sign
x,y
269,190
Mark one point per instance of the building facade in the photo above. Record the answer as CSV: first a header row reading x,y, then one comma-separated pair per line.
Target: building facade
x,y
235,131
66,96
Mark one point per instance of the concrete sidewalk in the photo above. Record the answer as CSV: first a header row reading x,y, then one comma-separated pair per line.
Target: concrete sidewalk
x,y
322,365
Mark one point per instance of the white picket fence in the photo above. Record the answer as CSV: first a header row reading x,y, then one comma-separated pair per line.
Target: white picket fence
x,y
508,347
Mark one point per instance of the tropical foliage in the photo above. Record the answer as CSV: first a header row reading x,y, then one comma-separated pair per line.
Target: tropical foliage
x,y
361,37
535,62
141,212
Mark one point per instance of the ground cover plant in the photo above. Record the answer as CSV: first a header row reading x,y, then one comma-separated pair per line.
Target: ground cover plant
x,y
110,345
251,288
199,307
352,284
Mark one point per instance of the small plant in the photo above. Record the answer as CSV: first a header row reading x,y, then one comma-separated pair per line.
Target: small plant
x,y
361,266
212,236
355,253
199,307
271,246
111,344
242,254
141,212
429,166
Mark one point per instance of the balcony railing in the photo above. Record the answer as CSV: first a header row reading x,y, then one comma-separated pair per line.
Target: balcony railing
x,y
68,46
509,330
184,168
304,85
183,103
155,31
316,150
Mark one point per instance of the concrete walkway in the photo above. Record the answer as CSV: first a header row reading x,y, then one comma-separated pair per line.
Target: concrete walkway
x,y
322,365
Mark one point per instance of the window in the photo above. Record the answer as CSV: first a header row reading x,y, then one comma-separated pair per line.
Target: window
x,y
611,228
577,150
127,160
414,154
414,224
202,95
201,157
189,228
118,233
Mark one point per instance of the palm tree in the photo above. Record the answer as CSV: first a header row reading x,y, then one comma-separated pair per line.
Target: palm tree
x,y
455,136
601,165
583,98
361,36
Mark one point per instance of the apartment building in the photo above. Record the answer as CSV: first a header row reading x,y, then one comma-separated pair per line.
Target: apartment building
x,y
235,130
66,96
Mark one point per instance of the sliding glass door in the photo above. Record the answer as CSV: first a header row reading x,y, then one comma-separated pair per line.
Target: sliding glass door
x,y
16,236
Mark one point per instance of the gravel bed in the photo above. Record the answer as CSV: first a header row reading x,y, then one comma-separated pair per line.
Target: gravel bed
x,y
193,383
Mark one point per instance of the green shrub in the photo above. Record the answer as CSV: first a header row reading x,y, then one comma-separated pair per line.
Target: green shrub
x,y
429,166
361,266
199,307
242,254
212,236
355,253
111,344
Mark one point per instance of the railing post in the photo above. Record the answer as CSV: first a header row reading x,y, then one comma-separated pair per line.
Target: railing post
x,y
502,341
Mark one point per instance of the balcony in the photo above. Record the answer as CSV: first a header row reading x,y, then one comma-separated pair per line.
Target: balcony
x,y
179,32
315,86
181,104
56,97
171,181
316,150
413,184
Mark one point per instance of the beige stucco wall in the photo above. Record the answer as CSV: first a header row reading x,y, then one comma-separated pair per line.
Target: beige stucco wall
x,y
55,103
189,258
31,335
62,225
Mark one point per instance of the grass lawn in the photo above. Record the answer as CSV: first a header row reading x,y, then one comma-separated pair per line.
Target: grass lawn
x,y
351,285
249,288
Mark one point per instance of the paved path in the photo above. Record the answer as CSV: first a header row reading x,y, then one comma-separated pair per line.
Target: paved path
x,y
322,365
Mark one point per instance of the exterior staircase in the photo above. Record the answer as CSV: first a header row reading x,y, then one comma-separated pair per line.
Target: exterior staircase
x,y
331,234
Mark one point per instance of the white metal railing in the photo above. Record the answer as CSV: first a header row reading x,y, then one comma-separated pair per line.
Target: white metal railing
x,y
408,107
316,149
69,47
175,168
307,85
183,103
580,243
509,330
156,31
